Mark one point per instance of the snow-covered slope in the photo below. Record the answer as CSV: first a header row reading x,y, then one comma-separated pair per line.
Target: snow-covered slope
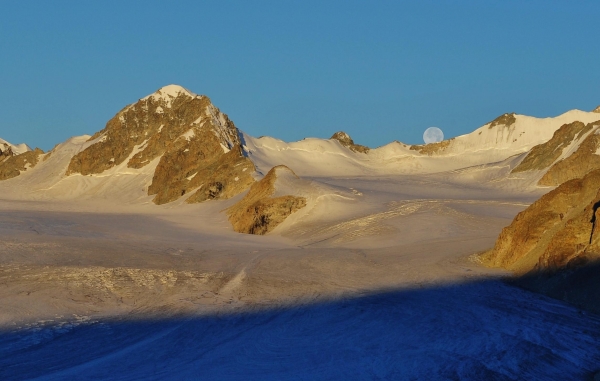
x,y
17,149
493,142
48,181
522,135
308,157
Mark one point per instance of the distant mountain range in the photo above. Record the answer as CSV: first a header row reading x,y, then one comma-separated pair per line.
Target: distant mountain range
x,y
174,146
179,145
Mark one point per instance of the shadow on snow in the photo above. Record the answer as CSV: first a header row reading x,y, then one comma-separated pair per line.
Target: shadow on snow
x,y
481,330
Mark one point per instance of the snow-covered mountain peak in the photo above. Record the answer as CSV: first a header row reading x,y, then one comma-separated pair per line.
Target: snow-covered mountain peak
x,y
170,92
16,149
192,148
514,133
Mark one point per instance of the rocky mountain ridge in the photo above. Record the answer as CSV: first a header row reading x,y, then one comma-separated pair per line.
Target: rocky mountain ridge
x,y
532,239
13,165
554,240
180,133
198,148
176,145
16,149
570,153
16,159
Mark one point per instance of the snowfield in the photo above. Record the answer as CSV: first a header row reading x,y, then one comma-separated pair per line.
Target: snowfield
x,y
375,279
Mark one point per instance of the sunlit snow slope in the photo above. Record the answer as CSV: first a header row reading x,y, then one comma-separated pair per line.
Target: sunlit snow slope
x,y
487,144
17,149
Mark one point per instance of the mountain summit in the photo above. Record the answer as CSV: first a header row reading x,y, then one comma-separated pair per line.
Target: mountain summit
x,y
15,159
194,146
16,149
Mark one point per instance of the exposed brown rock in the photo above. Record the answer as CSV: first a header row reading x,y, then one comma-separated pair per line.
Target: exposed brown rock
x,y
543,155
576,165
5,151
597,109
347,142
504,119
578,242
556,242
12,166
180,171
258,212
198,146
431,148
557,230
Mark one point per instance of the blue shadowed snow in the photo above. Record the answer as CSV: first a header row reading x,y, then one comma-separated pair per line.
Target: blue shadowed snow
x,y
484,330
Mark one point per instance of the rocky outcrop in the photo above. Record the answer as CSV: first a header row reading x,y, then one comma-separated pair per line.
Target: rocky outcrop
x,y
347,142
431,148
542,156
555,244
507,120
557,231
180,171
12,165
597,109
584,160
578,242
197,147
8,149
5,151
261,210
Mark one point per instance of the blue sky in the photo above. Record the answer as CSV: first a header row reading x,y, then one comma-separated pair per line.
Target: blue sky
x,y
380,71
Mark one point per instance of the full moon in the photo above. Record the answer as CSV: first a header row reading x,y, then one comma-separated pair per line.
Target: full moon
x,y
433,135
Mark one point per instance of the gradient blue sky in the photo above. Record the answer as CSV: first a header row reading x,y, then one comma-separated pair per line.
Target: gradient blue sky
x,y
380,71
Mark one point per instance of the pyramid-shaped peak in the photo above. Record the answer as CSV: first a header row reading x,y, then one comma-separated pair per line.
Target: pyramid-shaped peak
x,y
597,109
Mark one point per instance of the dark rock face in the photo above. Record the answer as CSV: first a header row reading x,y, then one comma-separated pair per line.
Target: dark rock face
x,y
12,165
196,144
347,142
258,212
